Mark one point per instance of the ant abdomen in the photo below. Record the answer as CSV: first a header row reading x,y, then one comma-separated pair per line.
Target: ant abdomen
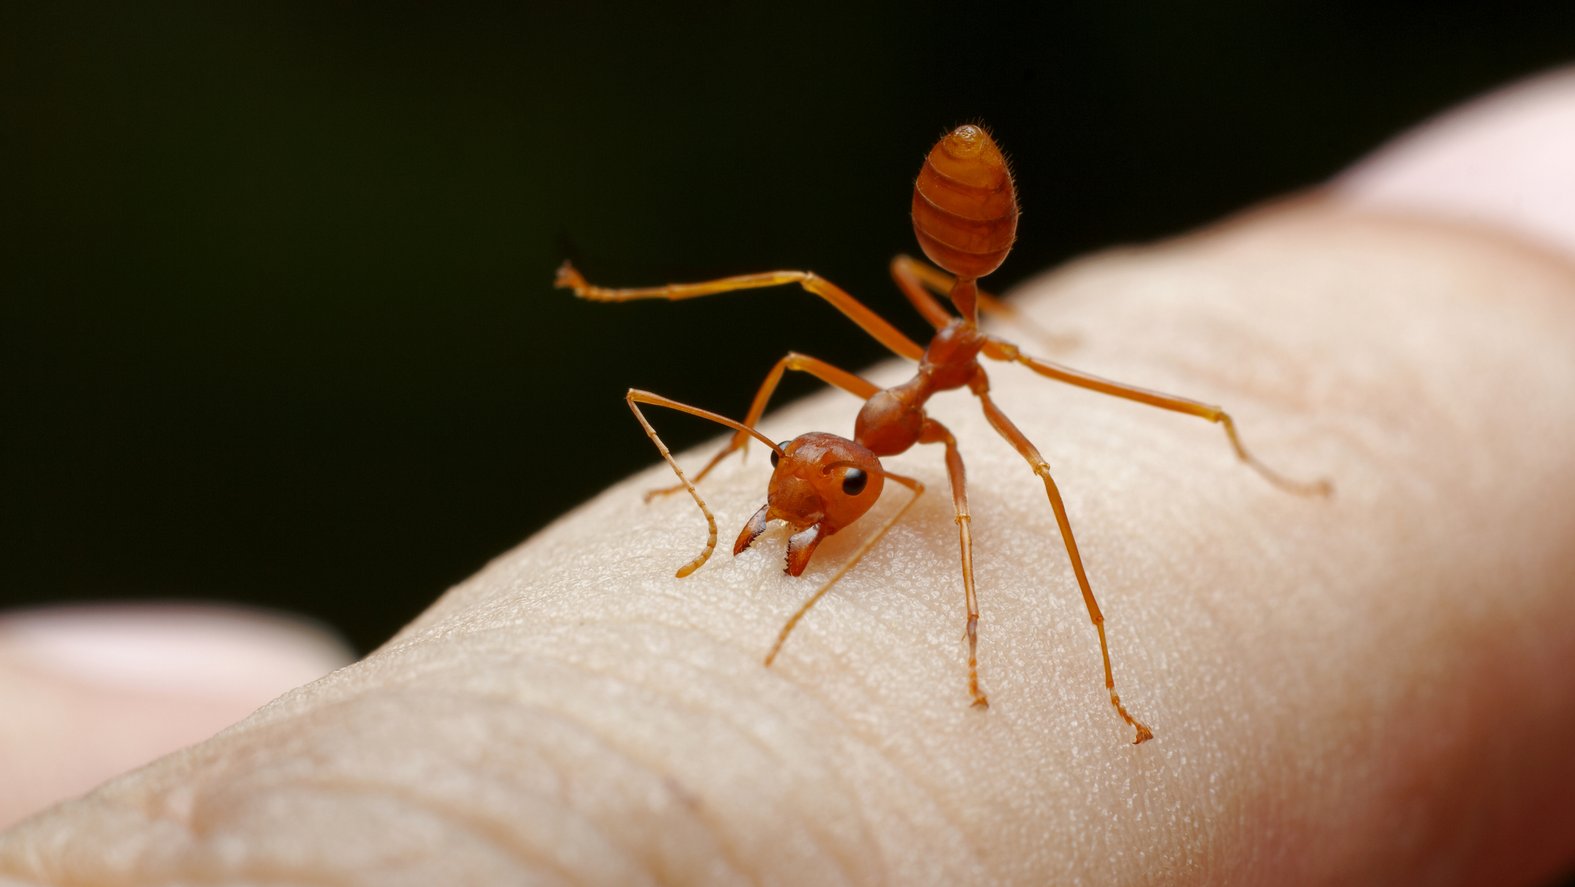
x,y
964,204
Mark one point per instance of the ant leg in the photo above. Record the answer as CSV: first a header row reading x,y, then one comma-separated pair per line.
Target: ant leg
x,y
872,323
787,628
920,282
916,280
634,398
1003,350
793,360
935,432
1026,449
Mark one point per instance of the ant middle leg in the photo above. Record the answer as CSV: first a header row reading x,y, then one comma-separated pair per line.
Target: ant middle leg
x,y
1001,349
1029,452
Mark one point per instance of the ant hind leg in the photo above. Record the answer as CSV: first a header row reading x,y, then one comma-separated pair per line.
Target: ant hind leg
x,y
922,282
1000,349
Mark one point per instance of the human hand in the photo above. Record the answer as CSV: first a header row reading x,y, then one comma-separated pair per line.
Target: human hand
x,y
1371,688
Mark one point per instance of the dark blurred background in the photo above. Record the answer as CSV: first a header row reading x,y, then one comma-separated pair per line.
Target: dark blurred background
x,y
276,324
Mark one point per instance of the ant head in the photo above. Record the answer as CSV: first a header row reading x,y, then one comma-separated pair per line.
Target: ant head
x,y
964,204
821,483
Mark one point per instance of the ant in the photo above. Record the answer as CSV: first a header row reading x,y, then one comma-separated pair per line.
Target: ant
x,y
965,217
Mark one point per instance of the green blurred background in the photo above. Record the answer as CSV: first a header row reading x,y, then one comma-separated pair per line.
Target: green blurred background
x,y
276,324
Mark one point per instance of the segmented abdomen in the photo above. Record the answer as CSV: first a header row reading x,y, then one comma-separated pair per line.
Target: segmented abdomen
x,y
964,204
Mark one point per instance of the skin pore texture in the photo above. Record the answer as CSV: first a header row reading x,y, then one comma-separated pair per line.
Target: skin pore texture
x,y
1369,688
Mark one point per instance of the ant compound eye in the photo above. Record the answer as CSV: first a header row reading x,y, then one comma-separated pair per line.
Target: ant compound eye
x,y
776,454
854,481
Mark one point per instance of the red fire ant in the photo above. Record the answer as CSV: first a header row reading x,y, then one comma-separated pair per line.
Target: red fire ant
x,y
965,217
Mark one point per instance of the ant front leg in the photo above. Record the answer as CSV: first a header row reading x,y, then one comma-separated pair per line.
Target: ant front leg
x,y
935,432
917,489
1029,452
1001,349
825,372
634,398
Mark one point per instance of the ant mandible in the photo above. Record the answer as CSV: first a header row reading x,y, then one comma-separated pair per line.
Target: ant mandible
x,y
965,217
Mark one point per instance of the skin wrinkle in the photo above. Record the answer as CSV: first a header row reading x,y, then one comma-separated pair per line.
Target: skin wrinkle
x,y
199,832
603,738
477,634
126,878
391,867
493,830
622,749
731,858
857,731
250,875
696,806
252,878
862,732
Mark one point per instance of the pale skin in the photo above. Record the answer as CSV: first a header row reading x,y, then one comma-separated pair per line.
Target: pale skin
x,y
1369,688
